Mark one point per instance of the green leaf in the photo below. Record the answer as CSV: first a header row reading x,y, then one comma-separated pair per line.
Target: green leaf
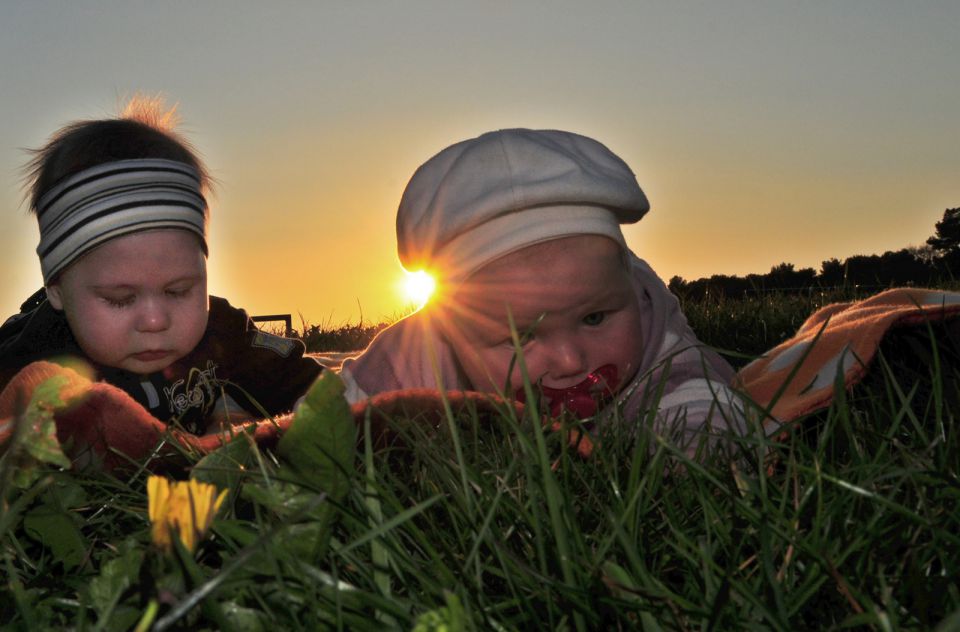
x,y
243,619
320,444
283,499
449,618
39,436
224,467
11,516
298,539
36,440
319,448
622,586
615,573
116,576
56,526
122,618
66,493
57,531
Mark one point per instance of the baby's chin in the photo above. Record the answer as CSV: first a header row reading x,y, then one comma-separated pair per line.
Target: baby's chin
x,y
146,364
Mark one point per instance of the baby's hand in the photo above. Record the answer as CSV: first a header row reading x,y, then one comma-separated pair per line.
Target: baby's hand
x,y
95,422
104,424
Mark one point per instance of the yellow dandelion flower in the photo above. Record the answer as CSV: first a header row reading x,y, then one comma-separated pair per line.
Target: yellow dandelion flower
x,y
158,497
186,508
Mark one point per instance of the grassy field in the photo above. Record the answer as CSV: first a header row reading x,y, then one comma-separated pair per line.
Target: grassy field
x,y
747,327
488,522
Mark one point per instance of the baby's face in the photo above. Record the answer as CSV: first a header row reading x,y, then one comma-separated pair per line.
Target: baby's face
x,y
138,302
575,297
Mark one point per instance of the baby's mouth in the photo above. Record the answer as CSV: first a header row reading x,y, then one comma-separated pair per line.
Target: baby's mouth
x,y
582,399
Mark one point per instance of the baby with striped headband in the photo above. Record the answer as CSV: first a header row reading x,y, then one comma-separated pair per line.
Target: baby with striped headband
x,y
123,251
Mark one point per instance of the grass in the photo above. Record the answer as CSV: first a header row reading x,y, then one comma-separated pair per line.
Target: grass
x,y
746,327
486,521
749,326
348,337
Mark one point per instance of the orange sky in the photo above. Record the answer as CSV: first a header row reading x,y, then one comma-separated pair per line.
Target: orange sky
x,y
761,134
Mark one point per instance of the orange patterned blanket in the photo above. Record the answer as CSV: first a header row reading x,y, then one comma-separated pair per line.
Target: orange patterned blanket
x,y
797,376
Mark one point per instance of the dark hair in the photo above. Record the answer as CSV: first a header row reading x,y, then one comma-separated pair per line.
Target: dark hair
x,y
143,130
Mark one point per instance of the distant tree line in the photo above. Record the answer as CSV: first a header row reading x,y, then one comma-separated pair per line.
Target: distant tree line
x,y
937,260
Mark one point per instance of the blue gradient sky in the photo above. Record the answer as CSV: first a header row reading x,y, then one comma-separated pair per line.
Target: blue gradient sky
x,y
761,132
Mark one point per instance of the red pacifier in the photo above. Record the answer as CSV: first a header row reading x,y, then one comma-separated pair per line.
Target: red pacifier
x,y
582,399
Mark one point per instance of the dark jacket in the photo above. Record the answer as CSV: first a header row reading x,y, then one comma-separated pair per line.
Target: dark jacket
x,y
235,365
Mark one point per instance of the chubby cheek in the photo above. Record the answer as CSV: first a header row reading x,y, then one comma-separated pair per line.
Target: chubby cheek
x,y
486,369
197,323
623,351
102,336
498,363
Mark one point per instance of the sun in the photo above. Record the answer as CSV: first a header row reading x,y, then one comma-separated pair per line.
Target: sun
x,y
418,287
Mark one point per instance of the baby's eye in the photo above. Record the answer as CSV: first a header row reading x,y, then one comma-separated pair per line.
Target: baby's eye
x,y
594,318
119,302
178,292
525,339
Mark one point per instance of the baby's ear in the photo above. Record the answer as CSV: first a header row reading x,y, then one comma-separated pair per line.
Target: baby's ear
x,y
53,295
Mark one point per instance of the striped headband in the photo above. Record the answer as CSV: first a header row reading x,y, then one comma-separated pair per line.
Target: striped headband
x,y
114,199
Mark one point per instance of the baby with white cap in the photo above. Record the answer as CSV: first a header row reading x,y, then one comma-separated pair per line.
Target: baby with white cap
x,y
525,225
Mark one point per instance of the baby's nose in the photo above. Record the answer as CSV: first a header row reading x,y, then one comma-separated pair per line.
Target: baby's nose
x,y
153,316
568,359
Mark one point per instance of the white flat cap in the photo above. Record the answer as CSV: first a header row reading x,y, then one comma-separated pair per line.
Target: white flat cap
x,y
483,198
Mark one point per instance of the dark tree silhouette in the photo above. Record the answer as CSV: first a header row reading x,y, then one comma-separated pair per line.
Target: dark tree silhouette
x,y
677,284
947,237
785,277
946,243
930,264
832,272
